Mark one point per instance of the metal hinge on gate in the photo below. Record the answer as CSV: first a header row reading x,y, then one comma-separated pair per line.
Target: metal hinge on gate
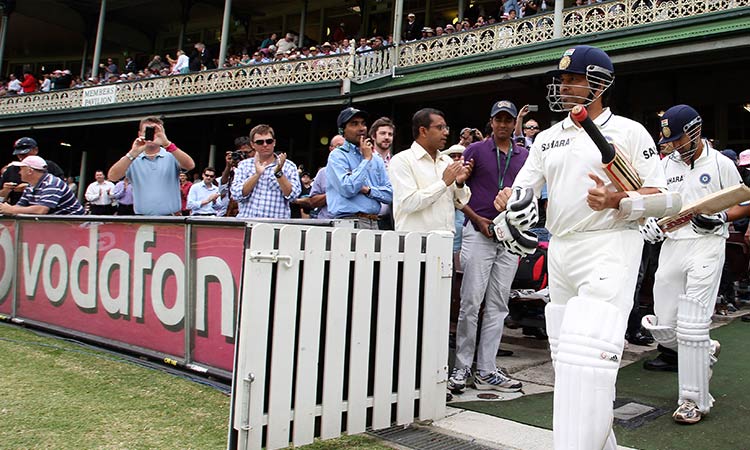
x,y
270,256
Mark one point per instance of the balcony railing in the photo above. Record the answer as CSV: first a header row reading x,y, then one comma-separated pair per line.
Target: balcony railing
x,y
363,67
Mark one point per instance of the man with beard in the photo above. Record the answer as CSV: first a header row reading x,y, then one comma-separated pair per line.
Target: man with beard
x,y
381,132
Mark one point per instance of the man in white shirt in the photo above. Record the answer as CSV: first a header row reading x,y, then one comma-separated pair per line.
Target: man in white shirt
x,y
203,198
99,195
426,183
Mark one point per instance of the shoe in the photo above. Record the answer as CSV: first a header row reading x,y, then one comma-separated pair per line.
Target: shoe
x,y
448,396
715,350
501,352
639,338
660,364
537,332
746,318
457,380
496,380
687,413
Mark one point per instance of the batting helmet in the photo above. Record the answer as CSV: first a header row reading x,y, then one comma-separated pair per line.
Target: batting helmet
x,y
676,122
592,62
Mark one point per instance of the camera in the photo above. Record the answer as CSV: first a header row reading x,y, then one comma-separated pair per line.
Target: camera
x,y
533,108
149,134
237,156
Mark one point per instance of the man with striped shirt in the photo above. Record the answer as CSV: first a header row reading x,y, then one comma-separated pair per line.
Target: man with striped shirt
x,y
45,194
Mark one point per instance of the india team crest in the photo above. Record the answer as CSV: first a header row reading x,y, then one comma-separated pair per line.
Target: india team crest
x,y
705,178
666,132
564,62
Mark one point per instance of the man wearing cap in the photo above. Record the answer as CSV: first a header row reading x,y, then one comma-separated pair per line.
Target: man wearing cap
x,y
357,183
412,29
594,253
153,168
44,194
691,260
488,267
11,178
426,183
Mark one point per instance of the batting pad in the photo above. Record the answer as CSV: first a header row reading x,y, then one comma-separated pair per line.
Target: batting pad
x,y
664,335
693,320
553,317
588,358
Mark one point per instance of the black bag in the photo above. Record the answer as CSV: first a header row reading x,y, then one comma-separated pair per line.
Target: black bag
x,y
532,271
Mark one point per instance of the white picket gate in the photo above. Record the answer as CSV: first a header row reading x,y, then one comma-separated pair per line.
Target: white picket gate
x,y
336,326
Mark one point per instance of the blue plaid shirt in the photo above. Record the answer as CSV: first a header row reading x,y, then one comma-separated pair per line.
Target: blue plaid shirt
x,y
266,199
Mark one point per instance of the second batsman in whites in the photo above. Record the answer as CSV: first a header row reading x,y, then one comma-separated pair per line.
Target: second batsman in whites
x,y
594,252
691,261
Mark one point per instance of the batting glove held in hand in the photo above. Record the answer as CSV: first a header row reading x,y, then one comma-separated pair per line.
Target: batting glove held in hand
x,y
708,224
651,232
522,210
515,241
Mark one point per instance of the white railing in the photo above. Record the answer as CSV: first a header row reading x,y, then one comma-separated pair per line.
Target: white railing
x,y
323,309
360,68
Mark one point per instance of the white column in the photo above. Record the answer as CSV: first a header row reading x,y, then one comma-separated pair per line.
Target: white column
x,y
99,37
225,32
558,27
82,176
302,19
211,156
83,58
461,10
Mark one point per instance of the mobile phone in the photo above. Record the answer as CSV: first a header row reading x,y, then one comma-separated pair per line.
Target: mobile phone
x,y
533,108
149,134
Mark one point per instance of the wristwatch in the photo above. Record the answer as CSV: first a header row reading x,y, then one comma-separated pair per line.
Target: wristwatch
x,y
278,174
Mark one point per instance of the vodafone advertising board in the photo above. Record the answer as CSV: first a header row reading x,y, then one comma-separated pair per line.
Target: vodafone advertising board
x,y
128,283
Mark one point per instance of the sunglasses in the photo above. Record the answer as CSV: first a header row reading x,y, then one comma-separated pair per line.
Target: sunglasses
x,y
531,128
264,141
209,176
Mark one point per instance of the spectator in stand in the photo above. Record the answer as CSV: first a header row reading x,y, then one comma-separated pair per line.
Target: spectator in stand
x,y
44,194
153,168
450,29
269,41
363,47
258,58
530,128
204,198
427,32
46,84
99,195
64,81
181,64
245,59
531,7
155,65
29,84
286,44
130,65
339,34
506,6
326,49
468,136
345,47
14,86
110,68
377,43
207,60
123,193
72,184
260,192
11,178
412,29
185,186
242,151
439,31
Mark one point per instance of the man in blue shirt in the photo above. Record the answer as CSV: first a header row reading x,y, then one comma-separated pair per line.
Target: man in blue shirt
x,y
357,183
153,166
203,198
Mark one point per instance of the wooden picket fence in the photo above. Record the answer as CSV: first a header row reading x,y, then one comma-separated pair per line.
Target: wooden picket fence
x,y
340,330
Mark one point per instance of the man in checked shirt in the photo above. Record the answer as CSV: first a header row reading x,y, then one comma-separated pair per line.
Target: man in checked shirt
x,y
265,184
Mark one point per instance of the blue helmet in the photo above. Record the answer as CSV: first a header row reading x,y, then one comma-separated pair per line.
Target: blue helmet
x,y
582,60
676,122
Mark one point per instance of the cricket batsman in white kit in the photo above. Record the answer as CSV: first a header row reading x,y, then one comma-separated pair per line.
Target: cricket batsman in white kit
x,y
691,260
594,252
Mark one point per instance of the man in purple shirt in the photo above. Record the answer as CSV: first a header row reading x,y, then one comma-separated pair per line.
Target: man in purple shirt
x,y
488,268
123,192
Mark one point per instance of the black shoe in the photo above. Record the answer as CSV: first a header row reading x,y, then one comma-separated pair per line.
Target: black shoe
x,y
746,318
639,338
660,364
537,332
501,352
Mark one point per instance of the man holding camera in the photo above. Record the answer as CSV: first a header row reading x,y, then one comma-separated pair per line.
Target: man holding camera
x,y
525,136
153,166
265,184
242,150
488,267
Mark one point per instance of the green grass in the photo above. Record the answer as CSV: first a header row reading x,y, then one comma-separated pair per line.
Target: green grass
x,y
57,394
724,428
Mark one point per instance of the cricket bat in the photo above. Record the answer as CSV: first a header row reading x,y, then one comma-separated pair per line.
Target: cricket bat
x,y
617,167
710,204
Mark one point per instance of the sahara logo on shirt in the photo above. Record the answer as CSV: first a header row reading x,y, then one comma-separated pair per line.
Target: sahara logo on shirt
x,y
555,144
675,179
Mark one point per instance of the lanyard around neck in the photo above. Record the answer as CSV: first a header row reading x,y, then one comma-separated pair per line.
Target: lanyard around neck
x,y
501,174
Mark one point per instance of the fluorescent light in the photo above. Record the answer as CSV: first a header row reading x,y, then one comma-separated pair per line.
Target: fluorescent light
x,y
65,144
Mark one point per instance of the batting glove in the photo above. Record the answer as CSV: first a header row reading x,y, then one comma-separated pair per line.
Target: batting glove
x,y
651,232
708,224
515,241
522,209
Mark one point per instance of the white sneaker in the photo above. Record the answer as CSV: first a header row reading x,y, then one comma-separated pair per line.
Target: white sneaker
x,y
687,412
714,352
457,380
498,381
